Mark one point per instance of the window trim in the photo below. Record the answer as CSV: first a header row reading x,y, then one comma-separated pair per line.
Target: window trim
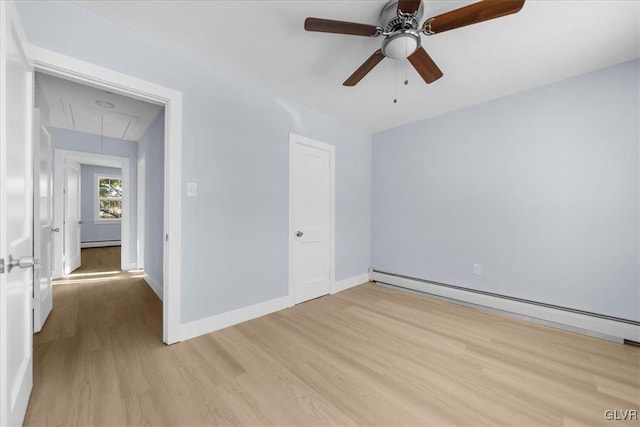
x,y
96,199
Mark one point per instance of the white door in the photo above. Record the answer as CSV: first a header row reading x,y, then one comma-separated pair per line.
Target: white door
x,y
43,221
16,219
141,211
72,220
311,201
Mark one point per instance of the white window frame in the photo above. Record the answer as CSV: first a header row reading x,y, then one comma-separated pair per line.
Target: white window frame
x,y
96,199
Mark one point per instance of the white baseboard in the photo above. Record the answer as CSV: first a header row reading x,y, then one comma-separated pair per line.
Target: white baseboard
x,y
101,244
574,321
130,266
343,285
154,285
230,318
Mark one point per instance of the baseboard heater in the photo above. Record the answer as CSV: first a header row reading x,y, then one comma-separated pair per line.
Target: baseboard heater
x,y
100,243
585,322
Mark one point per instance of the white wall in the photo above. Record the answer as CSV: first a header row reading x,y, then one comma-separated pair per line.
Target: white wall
x,y
235,147
541,188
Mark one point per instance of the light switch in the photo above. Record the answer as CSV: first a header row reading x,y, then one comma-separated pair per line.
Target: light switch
x,y
477,269
192,189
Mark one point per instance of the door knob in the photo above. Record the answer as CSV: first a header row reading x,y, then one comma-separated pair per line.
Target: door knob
x,y
299,233
55,230
22,262
80,222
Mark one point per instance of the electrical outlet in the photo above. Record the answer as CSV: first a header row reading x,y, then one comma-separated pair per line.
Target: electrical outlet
x,y
477,269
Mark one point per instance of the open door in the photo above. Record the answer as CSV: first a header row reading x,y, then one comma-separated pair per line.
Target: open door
x,y
16,219
72,220
43,221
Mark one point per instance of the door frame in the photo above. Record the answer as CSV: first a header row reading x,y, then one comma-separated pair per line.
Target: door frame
x,y
83,158
301,140
141,205
66,67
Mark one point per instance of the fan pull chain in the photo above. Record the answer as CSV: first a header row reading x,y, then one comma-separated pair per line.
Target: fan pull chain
x,y
406,66
395,82
406,73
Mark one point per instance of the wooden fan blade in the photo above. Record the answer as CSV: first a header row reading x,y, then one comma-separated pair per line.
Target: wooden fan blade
x,y
339,27
473,14
425,66
364,69
408,6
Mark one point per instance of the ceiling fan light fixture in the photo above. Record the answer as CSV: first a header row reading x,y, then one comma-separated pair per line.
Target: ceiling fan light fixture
x,y
399,23
400,45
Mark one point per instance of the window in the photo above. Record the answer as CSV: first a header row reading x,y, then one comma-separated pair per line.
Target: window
x,y
108,206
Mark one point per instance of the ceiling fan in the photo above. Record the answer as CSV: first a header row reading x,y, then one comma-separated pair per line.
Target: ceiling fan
x,y
399,24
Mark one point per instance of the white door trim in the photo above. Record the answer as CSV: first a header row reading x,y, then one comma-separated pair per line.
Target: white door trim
x,y
61,157
301,140
141,211
69,68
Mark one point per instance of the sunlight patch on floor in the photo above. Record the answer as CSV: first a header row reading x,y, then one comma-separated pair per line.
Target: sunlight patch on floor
x,y
100,273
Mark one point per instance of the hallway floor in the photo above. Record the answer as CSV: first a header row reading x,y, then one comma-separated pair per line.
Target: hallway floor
x,y
93,348
99,260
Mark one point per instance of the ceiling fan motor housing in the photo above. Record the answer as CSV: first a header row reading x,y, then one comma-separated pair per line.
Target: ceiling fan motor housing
x,y
390,19
403,37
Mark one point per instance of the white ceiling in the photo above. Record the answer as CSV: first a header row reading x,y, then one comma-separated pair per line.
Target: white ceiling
x,y
73,106
264,42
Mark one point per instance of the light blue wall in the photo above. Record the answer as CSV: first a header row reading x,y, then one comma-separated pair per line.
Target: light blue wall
x,y
79,141
541,188
92,232
151,147
235,146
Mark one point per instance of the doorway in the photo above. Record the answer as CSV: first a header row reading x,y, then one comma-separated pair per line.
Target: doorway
x,y
92,228
99,138
77,71
18,61
311,218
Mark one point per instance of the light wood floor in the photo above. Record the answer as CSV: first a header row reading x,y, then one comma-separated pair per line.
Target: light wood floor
x,y
366,356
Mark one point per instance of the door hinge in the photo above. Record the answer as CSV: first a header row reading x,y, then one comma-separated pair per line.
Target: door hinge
x,y
64,191
1,265
166,237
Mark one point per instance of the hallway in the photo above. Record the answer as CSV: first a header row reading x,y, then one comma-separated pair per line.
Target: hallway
x,y
98,311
